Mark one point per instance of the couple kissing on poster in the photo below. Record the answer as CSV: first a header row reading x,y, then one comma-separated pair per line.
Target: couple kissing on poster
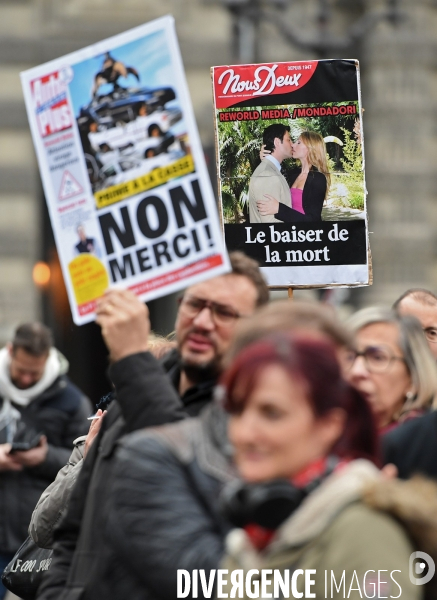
x,y
271,199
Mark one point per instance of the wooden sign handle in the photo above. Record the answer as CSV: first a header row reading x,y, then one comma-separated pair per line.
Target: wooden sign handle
x,y
290,293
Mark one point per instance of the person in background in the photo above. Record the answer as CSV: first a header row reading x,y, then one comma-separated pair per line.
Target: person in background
x,y
160,345
52,505
391,366
422,304
53,502
311,496
412,447
41,413
312,317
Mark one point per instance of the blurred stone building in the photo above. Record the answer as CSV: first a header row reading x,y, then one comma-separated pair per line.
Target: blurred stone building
x,y
399,84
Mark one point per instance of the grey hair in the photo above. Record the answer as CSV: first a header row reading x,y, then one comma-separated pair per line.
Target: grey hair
x,y
417,355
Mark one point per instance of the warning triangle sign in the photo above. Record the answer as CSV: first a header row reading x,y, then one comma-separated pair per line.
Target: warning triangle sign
x,y
69,186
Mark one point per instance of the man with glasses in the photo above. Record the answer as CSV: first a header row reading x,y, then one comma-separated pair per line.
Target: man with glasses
x,y
208,314
205,325
422,304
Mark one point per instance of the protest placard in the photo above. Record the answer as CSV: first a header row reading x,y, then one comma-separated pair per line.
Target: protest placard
x,y
124,175
301,211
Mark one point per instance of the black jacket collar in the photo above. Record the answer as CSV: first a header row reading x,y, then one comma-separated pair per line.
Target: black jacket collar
x,y
197,396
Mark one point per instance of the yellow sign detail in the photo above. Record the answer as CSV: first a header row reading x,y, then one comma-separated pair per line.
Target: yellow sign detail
x,y
88,277
157,177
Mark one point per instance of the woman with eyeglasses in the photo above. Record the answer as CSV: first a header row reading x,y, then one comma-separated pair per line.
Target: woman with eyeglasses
x,y
392,366
311,501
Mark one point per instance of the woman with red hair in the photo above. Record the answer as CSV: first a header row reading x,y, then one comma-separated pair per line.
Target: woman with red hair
x,y
311,493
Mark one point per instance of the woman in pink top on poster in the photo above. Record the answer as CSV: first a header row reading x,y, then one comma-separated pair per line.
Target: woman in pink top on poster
x,y
309,185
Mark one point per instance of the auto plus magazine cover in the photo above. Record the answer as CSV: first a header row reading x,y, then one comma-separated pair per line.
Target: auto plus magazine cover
x,y
124,174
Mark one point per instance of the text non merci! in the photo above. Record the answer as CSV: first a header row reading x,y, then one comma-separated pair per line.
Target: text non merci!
x,y
117,225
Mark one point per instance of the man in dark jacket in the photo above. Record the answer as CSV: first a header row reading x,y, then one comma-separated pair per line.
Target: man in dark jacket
x,y
412,447
41,414
207,317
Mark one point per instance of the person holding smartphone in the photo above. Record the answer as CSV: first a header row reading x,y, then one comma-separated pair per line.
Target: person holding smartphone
x,y
41,413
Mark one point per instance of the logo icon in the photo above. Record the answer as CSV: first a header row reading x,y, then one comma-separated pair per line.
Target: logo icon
x,y
423,565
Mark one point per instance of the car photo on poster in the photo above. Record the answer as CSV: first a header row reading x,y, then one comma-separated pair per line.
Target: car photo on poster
x,y
123,130
127,129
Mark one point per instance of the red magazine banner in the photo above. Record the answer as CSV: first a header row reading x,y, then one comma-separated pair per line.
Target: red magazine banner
x,y
233,84
51,106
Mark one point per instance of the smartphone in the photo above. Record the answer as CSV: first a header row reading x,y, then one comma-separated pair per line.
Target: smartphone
x,y
25,445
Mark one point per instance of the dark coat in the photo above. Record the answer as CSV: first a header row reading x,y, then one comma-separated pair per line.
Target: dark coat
x,y
197,396
412,446
145,398
85,246
163,509
60,413
313,197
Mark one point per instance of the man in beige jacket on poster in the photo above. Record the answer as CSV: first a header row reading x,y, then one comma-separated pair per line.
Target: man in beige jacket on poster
x,y
267,177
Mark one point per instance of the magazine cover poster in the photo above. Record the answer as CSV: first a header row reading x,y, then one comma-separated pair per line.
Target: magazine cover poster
x,y
124,175
299,208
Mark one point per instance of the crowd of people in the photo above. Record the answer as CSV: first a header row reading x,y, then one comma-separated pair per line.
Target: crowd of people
x,y
266,436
